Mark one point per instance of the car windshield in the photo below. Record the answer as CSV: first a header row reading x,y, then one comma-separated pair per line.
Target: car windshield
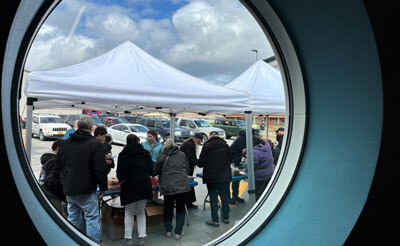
x,y
166,124
241,123
202,123
96,120
138,129
120,121
51,120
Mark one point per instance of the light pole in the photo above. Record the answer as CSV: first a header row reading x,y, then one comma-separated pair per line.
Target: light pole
x,y
256,53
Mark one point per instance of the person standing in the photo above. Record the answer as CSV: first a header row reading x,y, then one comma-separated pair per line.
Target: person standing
x,y
154,146
263,165
189,148
83,168
262,127
71,130
215,158
173,168
100,133
134,168
49,178
236,150
279,138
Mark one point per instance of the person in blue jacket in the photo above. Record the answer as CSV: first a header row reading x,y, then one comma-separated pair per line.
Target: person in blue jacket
x,y
154,146
71,130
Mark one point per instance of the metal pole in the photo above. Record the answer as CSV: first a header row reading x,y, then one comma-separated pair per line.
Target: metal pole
x,y
172,126
28,138
266,123
250,160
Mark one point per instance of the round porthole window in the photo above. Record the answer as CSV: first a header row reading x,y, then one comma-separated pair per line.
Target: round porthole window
x,y
26,27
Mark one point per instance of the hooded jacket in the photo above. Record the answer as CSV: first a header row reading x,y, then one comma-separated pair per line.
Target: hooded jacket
x,y
43,159
277,149
134,168
173,168
50,176
83,164
237,146
263,162
155,150
189,148
215,158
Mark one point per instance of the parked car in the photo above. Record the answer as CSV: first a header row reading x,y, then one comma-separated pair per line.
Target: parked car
x,y
109,114
119,132
109,121
63,116
71,118
135,119
48,126
163,127
201,126
230,126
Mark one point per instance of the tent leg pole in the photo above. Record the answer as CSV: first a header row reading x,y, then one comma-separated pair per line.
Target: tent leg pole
x,y
28,138
250,159
172,126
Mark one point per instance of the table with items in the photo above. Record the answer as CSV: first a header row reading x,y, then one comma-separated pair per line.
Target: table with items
x,y
237,175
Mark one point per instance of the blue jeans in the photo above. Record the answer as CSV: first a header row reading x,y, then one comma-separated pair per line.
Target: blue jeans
x,y
88,204
221,189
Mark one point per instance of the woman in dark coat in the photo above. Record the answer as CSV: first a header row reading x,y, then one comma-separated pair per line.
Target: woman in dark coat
x,y
133,172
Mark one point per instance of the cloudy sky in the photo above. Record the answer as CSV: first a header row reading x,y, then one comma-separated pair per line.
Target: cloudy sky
x,y
209,39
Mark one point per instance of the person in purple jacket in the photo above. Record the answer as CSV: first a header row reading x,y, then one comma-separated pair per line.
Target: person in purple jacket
x,y
263,164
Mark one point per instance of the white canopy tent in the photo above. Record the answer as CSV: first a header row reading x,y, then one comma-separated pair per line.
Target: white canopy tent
x,y
127,78
265,87
266,95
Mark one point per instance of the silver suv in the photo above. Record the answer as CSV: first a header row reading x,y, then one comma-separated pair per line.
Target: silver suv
x,y
48,126
201,126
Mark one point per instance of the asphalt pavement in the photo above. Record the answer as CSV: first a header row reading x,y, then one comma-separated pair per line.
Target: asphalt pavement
x,y
197,233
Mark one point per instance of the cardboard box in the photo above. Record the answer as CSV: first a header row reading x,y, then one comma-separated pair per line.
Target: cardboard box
x,y
154,218
112,222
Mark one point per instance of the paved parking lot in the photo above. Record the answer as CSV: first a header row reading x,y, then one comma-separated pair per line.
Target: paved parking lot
x,y
197,233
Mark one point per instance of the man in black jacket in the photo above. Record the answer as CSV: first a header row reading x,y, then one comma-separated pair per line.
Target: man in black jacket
x,y
189,148
100,133
277,150
215,158
83,169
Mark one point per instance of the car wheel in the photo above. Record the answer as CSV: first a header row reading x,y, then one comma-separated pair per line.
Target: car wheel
x,y
41,136
228,136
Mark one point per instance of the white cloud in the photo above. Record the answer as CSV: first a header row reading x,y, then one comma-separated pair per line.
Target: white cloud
x,y
51,50
221,34
208,39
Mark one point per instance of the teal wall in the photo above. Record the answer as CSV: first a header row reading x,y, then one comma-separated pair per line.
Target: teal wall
x,y
338,55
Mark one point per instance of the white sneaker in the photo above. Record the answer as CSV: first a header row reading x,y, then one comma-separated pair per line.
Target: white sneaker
x,y
177,236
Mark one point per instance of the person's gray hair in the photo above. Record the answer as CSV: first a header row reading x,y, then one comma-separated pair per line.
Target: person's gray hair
x,y
168,143
85,123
